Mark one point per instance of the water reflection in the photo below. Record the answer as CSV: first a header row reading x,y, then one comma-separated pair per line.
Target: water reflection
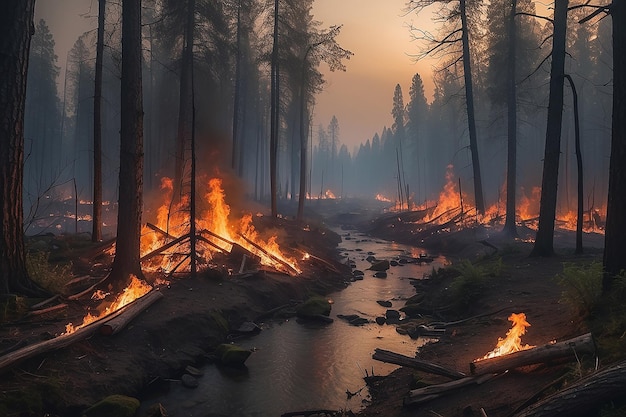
x,y
303,366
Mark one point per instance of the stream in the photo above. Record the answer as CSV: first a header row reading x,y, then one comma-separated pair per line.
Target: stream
x,y
305,366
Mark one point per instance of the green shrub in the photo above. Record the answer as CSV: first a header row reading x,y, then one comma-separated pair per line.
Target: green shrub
x,y
471,279
582,287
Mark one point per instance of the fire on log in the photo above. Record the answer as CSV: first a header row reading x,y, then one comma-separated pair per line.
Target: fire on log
x,y
129,312
402,360
289,268
540,354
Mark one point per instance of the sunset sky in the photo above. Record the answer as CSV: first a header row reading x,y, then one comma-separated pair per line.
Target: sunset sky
x,y
361,98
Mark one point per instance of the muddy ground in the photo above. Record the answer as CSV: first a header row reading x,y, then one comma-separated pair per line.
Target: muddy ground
x,y
196,314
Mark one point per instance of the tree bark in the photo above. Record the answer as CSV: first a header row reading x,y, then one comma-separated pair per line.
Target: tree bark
x,y
583,398
96,233
579,167
614,260
16,29
127,251
471,116
540,354
544,241
510,228
274,115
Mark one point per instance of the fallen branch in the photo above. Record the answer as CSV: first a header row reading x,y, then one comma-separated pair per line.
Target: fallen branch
x,y
290,268
116,324
44,302
46,310
160,231
88,290
164,248
422,395
562,350
402,360
584,397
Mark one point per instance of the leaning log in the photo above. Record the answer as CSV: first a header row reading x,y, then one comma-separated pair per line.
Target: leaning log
x,y
584,397
402,360
116,324
431,392
567,349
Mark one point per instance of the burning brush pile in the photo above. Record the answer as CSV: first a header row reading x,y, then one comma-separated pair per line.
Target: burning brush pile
x,y
454,210
166,244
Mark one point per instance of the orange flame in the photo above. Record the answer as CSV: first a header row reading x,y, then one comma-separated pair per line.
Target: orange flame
x,y
215,219
513,340
137,288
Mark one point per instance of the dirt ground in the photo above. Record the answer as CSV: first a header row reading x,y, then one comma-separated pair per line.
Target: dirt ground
x,y
196,314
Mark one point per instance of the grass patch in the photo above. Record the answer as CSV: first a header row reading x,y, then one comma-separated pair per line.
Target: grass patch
x,y
52,277
471,279
582,287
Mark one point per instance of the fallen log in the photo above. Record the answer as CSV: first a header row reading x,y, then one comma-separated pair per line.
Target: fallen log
x,y
164,247
402,360
422,395
58,342
584,397
541,354
116,324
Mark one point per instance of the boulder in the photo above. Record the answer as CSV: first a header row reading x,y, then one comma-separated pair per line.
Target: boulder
x,y
230,354
384,303
380,274
380,265
313,307
392,316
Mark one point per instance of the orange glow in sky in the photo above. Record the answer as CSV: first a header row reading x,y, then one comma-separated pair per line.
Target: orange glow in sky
x,y
377,33
361,98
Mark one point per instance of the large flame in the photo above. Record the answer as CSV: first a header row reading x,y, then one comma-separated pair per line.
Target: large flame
x,y
137,288
513,340
214,221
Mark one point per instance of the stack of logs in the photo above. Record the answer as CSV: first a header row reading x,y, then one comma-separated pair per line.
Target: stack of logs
x,y
577,399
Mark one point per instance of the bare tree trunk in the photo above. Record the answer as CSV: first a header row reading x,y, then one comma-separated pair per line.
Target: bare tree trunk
x,y
579,166
184,111
16,29
127,251
511,166
274,117
614,259
303,139
544,241
471,116
235,161
96,234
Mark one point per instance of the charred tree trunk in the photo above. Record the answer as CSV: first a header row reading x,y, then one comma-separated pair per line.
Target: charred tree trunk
x,y
16,29
96,233
510,228
544,241
471,116
614,259
303,137
235,160
274,110
184,105
579,167
127,251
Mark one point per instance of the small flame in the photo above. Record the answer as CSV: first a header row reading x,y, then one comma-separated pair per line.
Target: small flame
x,y
513,340
135,289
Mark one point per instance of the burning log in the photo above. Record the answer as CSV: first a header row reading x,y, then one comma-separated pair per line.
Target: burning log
x,y
88,290
583,397
128,313
422,395
398,359
164,248
58,342
567,349
160,231
289,268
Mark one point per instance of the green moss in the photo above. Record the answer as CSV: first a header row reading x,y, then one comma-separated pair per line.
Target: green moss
x,y
314,306
220,321
114,405
231,354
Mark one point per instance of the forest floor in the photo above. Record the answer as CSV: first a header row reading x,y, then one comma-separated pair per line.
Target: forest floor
x,y
198,313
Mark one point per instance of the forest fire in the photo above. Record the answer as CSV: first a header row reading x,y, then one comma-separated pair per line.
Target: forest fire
x,y
513,340
218,233
136,289
453,203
